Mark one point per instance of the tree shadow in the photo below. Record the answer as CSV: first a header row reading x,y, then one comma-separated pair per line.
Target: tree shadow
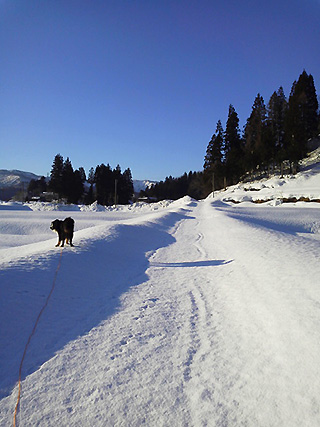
x,y
88,290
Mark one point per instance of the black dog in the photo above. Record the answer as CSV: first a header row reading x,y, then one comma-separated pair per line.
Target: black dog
x,y
64,229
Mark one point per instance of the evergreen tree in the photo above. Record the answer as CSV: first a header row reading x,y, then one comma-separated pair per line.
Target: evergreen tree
x,y
42,184
91,176
82,175
233,147
214,149
127,191
256,147
277,108
36,187
56,180
213,166
174,188
196,188
118,185
67,180
104,184
77,186
90,197
302,116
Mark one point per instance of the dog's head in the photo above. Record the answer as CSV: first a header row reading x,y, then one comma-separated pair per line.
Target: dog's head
x,y
55,225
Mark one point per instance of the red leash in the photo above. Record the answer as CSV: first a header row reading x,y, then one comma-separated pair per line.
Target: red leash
x,y
31,335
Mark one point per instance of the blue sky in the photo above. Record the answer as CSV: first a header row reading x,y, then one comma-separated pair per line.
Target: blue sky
x,y
141,83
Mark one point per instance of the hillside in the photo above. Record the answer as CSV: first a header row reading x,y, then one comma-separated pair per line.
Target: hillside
x,y
304,186
13,181
15,178
139,185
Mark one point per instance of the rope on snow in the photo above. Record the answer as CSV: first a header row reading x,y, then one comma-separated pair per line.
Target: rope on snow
x,y
31,335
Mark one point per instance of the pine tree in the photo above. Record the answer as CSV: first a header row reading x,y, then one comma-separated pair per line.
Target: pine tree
x,y
196,188
90,197
213,166
127,191
174,188
67,180
82,175
37,187
233,147
56,180
276,111
91,176
302,116
256,144
214,149
104,184
77,186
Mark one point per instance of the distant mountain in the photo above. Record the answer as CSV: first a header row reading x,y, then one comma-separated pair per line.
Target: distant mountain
x,y
139,185
15,178
13,181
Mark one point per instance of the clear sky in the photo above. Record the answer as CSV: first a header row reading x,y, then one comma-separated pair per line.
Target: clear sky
x,y
141,83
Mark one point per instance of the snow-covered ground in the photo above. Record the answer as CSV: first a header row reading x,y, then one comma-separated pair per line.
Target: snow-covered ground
x,y
171,314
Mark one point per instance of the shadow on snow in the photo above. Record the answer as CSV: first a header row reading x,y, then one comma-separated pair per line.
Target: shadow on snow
x,y
208,263
268,218
88,290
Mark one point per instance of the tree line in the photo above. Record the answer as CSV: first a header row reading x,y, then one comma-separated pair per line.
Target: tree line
x,y
105,185
273,133
175,188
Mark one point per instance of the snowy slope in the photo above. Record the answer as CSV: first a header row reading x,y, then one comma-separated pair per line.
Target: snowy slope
x,y
13,181
304,186
178,313
139,185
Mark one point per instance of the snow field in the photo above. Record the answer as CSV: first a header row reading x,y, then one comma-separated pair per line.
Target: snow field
x,y
270,311
196,313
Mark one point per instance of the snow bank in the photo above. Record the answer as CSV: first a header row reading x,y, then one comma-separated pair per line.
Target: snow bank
x,y
94,207
303,187
14,206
